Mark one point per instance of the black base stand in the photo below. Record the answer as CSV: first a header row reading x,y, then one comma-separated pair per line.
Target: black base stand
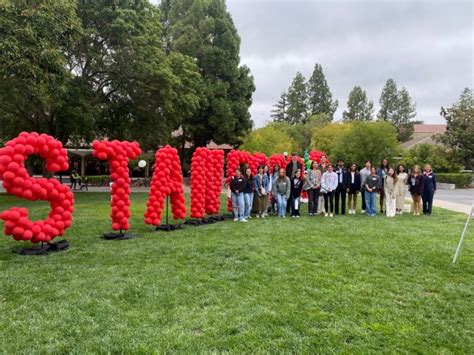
x,y
168,227
204,221
44,249
119,236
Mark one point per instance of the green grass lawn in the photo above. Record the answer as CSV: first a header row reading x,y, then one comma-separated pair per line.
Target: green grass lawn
x,y
346,284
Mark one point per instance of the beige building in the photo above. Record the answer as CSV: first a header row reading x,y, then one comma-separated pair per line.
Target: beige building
x,y
425,134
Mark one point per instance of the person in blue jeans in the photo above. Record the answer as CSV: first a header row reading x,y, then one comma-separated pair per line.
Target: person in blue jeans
x,y
429,188
372,184
248,193
281,189
237,185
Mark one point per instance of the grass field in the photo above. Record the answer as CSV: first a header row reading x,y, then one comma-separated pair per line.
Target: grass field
x,y
313,285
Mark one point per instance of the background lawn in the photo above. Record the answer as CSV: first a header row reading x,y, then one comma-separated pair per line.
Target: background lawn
x,y
350,284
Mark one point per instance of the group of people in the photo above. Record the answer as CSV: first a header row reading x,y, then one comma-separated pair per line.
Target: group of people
x,y
329,187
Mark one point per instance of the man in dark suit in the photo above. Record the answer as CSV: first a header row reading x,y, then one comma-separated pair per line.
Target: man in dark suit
x,y
342,185
291,168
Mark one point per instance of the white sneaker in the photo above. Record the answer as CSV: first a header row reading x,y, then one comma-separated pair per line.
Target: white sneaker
x,y
331,215
363,211
293,216
297,216
236,219
258,216
243,220
325,215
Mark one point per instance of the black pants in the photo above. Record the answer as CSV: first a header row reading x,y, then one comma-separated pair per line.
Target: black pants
x,y
364,206
291,202
340,193
427,201
313,199
329,198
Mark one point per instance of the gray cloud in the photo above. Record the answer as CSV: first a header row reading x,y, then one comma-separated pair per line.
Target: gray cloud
x,y
426,46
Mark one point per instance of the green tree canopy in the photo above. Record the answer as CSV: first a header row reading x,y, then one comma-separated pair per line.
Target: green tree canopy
x,y
328,138
35,38
388,101
204,30
297,100
319,96
441,158
279,111
271,139
359,107
460,127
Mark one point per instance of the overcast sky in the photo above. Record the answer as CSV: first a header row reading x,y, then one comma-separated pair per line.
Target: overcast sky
x,y
426,46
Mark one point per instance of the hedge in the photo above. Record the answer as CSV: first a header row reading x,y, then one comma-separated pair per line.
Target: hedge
x,y
460,180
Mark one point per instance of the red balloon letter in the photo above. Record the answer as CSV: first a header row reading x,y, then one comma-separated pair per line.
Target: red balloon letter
x,y
167,180
206,181
17,182
118,154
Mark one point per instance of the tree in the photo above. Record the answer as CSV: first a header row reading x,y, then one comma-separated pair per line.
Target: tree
x,y
359,108
144,92
34,39
402,119
319,96
279,112
460,127
388,101
204,30
368,140
327,138
271,139
297,100
302,134
442,158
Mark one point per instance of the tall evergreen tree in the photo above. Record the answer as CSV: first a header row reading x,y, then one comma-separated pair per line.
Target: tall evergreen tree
x,y
359,108
319,96
402,117
204,30
297,100
460,127
388,101
279,111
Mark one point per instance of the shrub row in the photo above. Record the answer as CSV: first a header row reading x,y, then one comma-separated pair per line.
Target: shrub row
x,y
460,180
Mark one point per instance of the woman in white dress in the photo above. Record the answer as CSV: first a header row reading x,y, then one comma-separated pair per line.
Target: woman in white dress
x,y
402,177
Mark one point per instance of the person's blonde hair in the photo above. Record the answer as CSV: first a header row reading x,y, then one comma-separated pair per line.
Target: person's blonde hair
x,y
428,166
417,167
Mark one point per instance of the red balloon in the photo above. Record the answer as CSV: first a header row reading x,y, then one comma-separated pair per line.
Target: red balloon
x,y
167,180
17,182
118,154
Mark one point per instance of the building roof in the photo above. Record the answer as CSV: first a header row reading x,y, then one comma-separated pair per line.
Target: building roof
x,y
430,128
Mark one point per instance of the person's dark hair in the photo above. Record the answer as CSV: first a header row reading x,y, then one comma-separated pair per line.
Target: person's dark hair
x,y
261,167
395,178
398,168
350,167
383,166
312,164
276,167
283,177
340,160
246,169
294,154
368,161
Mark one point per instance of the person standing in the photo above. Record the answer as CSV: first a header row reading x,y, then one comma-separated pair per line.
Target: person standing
x,y
266,171
341,189
237,185
248,193
323,167
364,173
391,192
295,193
372,184
429,188
261,183
281,190
416,182
312,186
293,166
382,172
402,178
328,186
353,188
273,176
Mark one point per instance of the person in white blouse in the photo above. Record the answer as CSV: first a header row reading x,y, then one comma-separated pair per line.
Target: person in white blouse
x,y
402,178
328,188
